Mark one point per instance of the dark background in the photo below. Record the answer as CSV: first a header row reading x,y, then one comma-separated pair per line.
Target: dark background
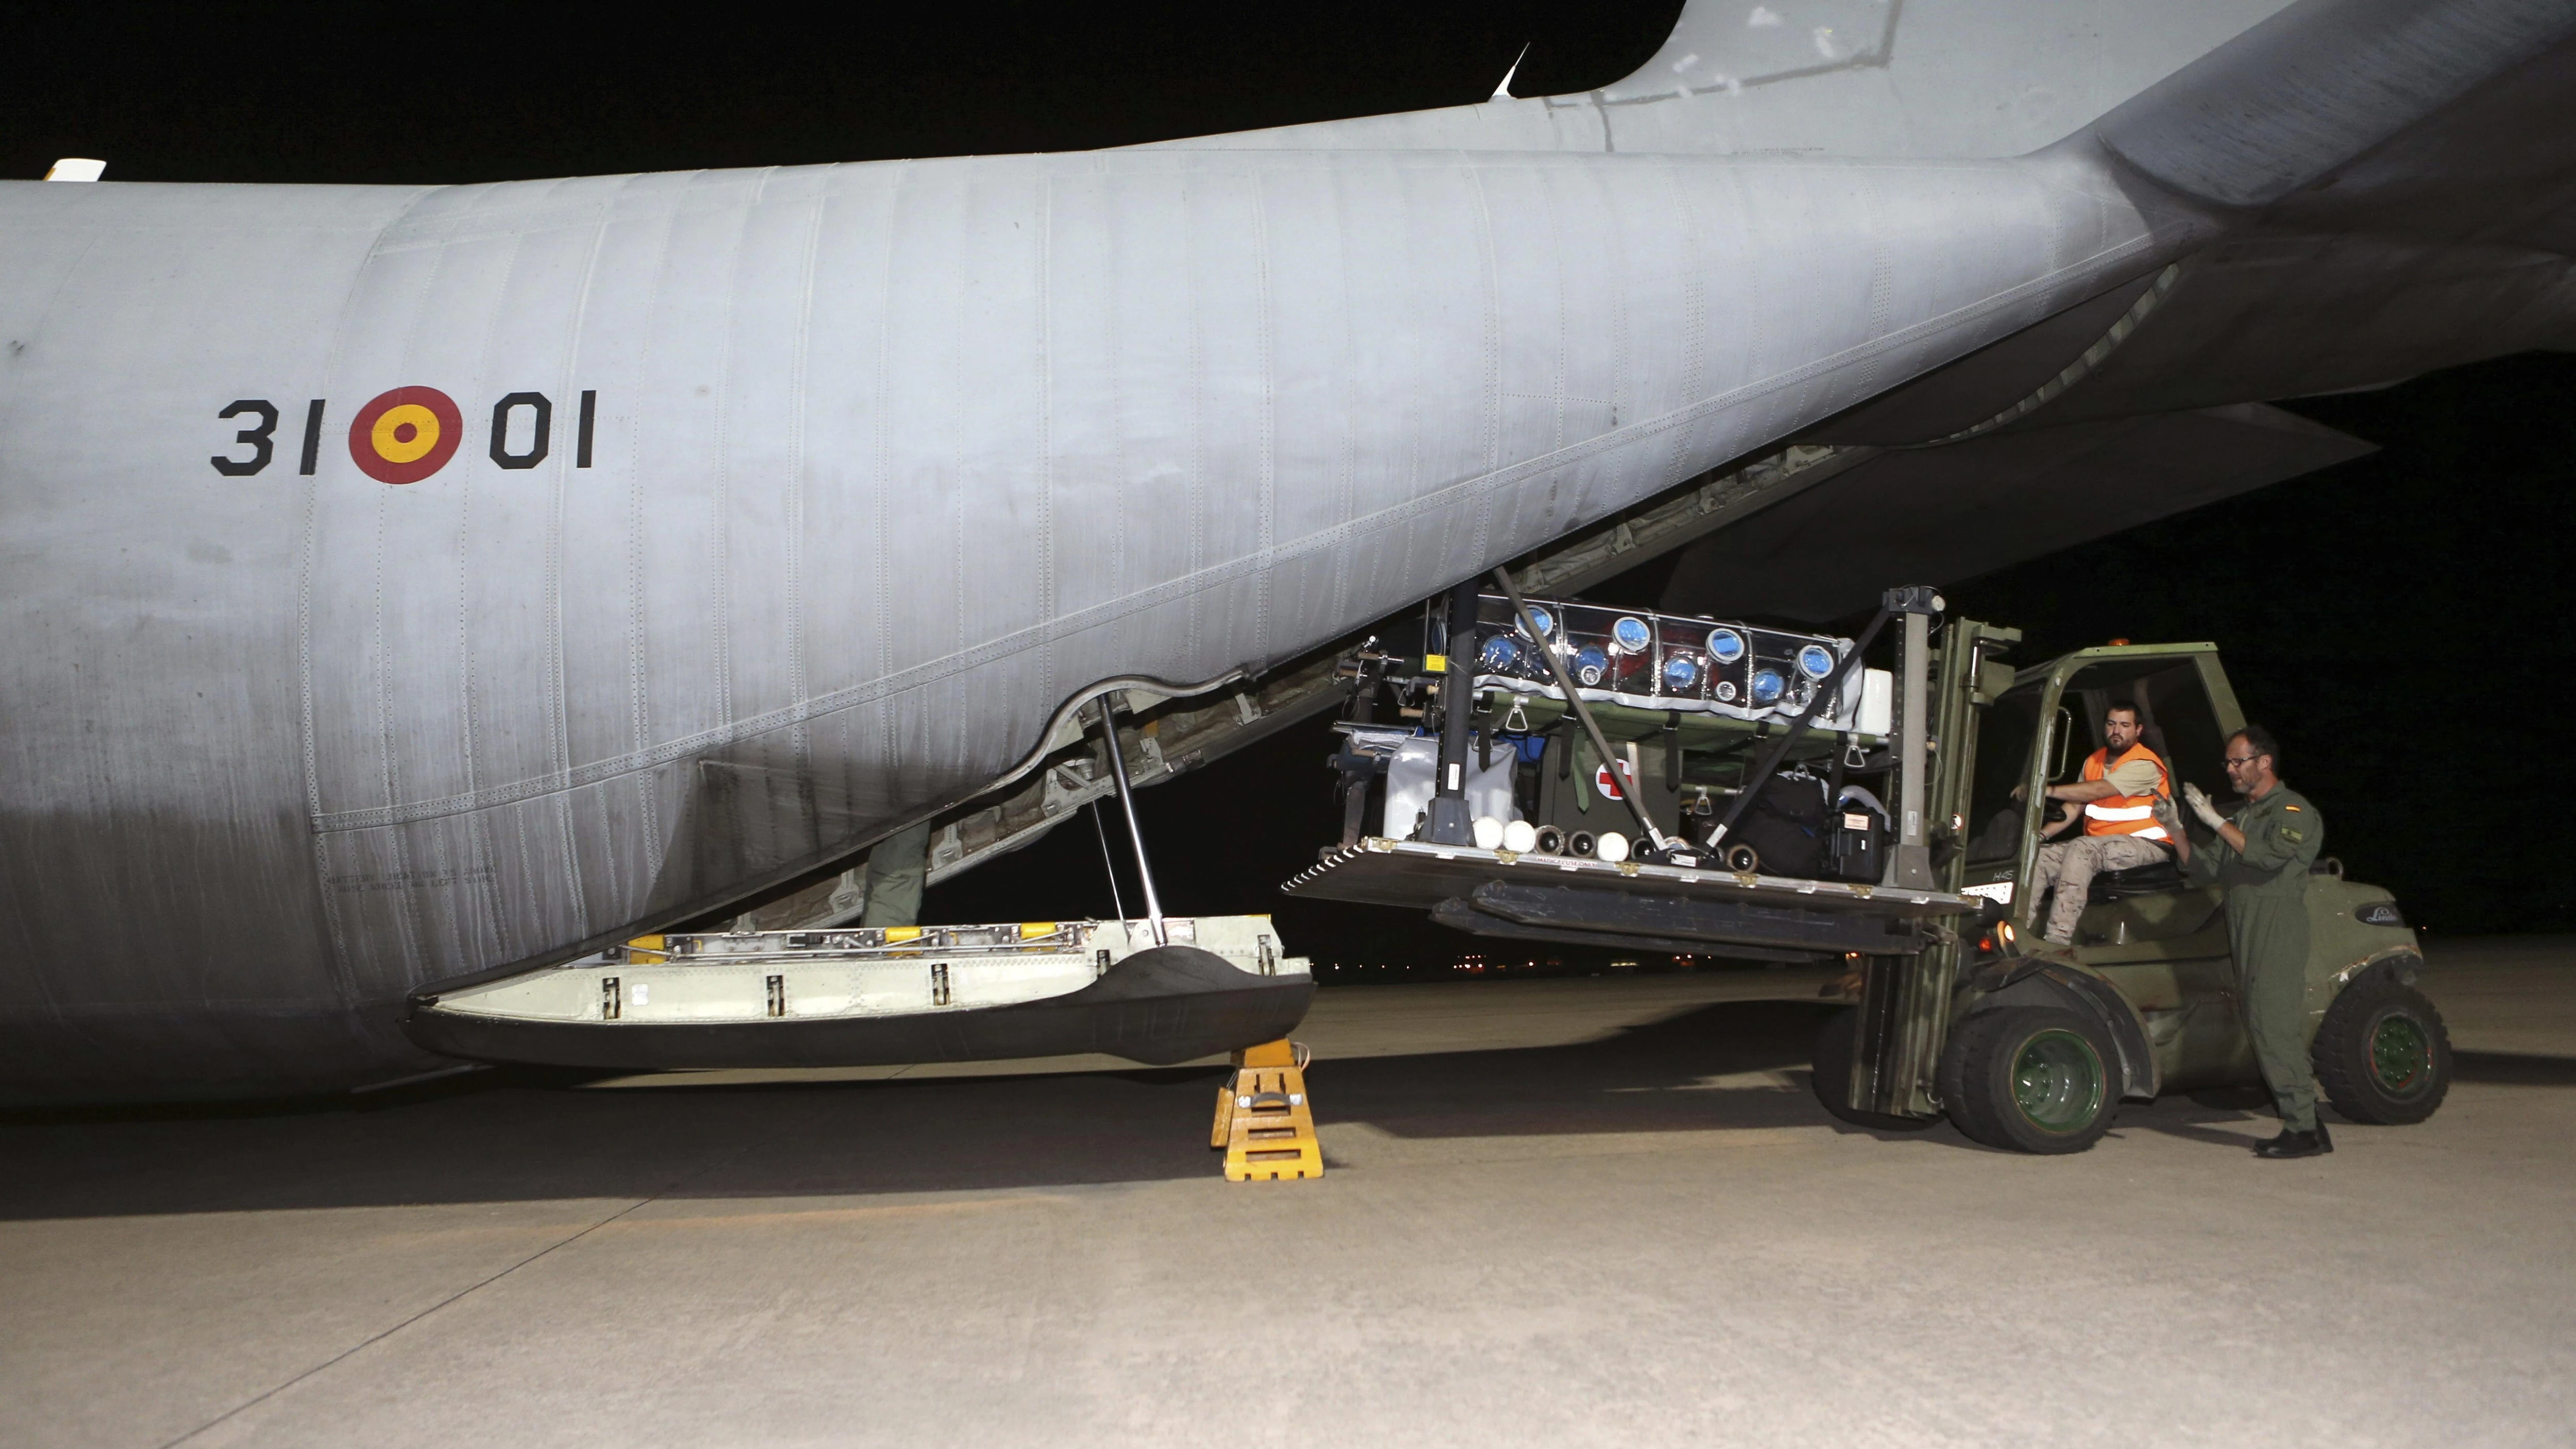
x,y
2400,621
449,93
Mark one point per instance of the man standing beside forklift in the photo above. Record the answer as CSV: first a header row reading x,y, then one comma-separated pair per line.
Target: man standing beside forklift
x,y
2262,857
2117,794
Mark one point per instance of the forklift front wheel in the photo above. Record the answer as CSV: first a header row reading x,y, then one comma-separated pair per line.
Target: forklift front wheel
x,y
1833,1071
2382,1053
2029,1079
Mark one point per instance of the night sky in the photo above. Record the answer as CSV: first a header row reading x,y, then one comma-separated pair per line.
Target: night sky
x,y
2400,621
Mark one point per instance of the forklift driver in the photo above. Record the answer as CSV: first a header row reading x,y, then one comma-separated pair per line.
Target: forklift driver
x,y
2121,785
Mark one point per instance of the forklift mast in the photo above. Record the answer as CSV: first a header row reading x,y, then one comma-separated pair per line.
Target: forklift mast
x,y
1905,1000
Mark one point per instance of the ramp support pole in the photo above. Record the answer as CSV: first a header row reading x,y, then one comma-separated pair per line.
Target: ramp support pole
x,y
1135,832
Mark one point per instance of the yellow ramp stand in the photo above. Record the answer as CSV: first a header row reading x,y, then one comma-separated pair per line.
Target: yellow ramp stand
x,y
1263,1120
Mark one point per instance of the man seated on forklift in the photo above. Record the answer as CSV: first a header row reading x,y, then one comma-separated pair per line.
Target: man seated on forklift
x,y
2120,787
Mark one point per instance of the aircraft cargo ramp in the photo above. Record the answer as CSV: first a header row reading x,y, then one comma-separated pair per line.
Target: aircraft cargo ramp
x,y
861,995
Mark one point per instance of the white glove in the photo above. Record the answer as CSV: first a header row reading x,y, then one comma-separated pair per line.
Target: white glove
x,y
2198,800
2167,816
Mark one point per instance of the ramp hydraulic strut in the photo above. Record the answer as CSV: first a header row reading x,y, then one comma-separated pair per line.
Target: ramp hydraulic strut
x,y
1263,1122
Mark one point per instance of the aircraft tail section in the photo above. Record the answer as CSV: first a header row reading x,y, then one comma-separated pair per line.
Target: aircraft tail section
x,y
2319,84
1861,78
1721,45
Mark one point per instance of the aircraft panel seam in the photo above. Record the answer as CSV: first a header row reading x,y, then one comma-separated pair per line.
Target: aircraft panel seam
x,y
337,959
1215,576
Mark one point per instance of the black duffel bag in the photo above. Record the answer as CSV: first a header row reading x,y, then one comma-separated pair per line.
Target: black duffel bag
x,y
1787,825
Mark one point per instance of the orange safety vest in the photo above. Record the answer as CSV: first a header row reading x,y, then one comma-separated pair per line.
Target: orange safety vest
x,y
2125,814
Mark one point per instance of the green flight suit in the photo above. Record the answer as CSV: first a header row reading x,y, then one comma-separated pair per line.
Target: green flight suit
x,y
2267,926
897,870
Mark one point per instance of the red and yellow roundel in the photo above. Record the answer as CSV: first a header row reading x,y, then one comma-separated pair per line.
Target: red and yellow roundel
x,y
405,435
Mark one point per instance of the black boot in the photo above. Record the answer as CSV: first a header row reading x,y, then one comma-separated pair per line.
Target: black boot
x,y
2315,1142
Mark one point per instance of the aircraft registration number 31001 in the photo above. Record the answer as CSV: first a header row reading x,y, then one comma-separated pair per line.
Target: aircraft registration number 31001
x,y
405,435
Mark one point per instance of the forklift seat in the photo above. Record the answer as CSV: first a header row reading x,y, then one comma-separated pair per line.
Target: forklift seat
x,y
2137,880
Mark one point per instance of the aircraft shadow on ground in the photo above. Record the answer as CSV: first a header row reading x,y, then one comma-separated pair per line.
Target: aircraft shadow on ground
x,y
513,1137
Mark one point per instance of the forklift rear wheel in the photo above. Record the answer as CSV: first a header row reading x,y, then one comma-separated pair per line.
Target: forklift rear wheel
x,y
2029,1079
1833,1066
2382,1053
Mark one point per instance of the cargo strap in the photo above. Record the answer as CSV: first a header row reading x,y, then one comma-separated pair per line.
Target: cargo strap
x,y
1263,1120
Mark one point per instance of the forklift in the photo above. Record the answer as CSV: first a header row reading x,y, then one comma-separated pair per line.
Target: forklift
x,y
1891,819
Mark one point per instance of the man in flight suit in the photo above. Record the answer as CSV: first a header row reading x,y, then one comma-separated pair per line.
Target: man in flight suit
x,y
897,869
2262,856
2121,784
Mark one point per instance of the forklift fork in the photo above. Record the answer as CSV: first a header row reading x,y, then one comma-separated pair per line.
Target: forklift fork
x,y
1904,1018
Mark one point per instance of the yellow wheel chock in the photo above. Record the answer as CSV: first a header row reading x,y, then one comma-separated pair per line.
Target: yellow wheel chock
x,y
1263,1120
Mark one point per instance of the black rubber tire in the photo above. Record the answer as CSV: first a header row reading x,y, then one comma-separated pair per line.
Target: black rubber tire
x,y
2386,1083
1982,1088
1832,1074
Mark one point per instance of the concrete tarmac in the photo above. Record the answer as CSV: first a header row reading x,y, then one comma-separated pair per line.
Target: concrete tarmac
x,y
1558,1212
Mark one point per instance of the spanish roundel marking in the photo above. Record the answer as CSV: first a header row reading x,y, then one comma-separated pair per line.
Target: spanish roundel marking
x,y
405,435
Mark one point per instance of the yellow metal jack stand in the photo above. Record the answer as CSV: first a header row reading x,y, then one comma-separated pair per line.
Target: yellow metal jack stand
x,y
1262,1118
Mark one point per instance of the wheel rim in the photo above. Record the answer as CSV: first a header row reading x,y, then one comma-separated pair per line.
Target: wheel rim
x,y
2057,1081
2401,1055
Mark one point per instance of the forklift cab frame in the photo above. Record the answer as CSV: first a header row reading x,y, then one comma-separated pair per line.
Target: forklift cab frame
x,y
2053,758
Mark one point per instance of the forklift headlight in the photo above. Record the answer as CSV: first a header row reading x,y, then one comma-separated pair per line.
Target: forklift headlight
x,y
1725,645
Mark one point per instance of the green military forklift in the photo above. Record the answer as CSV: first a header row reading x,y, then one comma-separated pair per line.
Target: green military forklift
x,y
1547,788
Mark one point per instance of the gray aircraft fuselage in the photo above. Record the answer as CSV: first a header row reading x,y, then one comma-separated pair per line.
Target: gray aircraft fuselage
x,y
407,584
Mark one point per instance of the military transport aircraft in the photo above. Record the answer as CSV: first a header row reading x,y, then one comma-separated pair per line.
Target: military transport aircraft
x,y
408,586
